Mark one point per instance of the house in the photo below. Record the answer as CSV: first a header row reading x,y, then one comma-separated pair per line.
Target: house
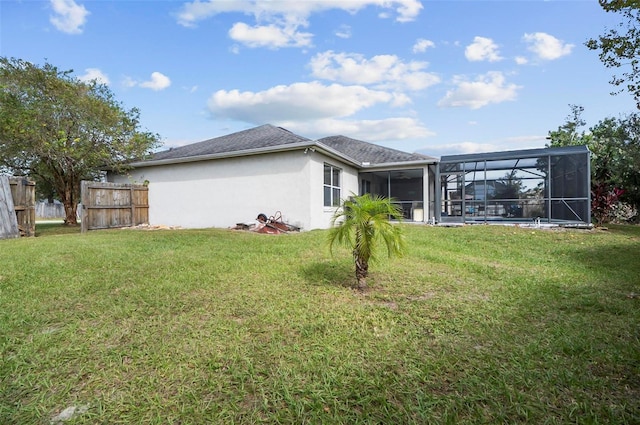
x,y
231,179
268,169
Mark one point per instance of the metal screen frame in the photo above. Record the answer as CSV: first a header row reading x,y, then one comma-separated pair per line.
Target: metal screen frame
x,y
551,185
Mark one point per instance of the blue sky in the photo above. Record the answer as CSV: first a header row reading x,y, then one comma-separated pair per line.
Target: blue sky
x,y
436,77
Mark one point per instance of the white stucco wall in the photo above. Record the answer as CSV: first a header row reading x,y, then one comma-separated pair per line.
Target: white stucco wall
x,y
223,192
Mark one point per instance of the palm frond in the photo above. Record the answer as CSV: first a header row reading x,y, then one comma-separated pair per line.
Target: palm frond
x,y
363,221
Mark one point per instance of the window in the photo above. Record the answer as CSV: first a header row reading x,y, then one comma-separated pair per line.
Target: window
x,y
331,186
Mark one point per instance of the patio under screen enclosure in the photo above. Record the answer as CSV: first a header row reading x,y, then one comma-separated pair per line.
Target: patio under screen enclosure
x,y
406,187
552,185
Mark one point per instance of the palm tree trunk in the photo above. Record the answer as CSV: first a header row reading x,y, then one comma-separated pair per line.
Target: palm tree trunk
x,y
362,271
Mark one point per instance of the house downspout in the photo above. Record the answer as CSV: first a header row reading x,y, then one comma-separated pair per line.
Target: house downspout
x,y
548,194
437,201
425,192
588,186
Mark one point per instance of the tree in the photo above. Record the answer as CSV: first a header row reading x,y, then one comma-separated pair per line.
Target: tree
x,y
620,47
360,224
59,130
569,134
616,157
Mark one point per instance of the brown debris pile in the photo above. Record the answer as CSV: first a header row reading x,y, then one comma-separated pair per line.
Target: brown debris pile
x,y
270,225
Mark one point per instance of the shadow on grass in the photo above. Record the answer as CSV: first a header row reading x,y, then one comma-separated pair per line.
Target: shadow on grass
x,y
329,273
609,261
568,337
617,264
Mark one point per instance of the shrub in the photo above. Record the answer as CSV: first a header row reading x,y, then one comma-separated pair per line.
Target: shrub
x,y
604,201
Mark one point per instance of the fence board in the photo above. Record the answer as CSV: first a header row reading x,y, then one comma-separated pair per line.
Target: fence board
x,y
23,192
8,220
113,205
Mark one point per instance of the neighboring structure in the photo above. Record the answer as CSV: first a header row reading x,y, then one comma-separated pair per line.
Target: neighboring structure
x,y
231,179
551,185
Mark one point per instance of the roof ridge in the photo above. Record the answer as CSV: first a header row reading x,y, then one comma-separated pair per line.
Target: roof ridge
x,y
268,137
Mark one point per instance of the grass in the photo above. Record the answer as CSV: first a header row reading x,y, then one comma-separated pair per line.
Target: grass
x,y
480,324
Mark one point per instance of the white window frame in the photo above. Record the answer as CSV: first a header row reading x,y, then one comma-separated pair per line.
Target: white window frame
x,y
334,201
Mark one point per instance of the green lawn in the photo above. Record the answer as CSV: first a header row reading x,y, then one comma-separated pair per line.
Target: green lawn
x,y
478,324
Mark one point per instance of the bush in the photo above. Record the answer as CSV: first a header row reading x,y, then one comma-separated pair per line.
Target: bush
x,y
604,200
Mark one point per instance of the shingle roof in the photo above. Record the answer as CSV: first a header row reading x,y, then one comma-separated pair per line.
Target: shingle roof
x,y
364,152
264,136
267,136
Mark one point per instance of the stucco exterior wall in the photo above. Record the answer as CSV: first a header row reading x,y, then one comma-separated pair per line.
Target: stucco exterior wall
x,y
223,192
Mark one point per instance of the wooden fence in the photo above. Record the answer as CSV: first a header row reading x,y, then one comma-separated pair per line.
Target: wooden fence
x,y
112,205
50,210
24,202
17,200
8,221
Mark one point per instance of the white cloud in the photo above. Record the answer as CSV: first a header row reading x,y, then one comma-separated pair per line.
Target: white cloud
x,y
521,60
547,47
482,49
486,89
407,10
297,102
280,21
157,82
523,142
69,16
94,74
389,129
270,36
129,82
382,71
422,45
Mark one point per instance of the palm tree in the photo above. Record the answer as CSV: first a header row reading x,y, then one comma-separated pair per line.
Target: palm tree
x,y
360,223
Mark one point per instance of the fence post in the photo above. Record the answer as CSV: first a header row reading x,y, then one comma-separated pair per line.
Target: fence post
x,y
133,205
84,212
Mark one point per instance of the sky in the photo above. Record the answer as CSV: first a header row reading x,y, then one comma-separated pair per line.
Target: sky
x,y
434,77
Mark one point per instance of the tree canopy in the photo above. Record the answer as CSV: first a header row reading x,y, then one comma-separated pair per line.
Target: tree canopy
x,y
620,47
60,130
